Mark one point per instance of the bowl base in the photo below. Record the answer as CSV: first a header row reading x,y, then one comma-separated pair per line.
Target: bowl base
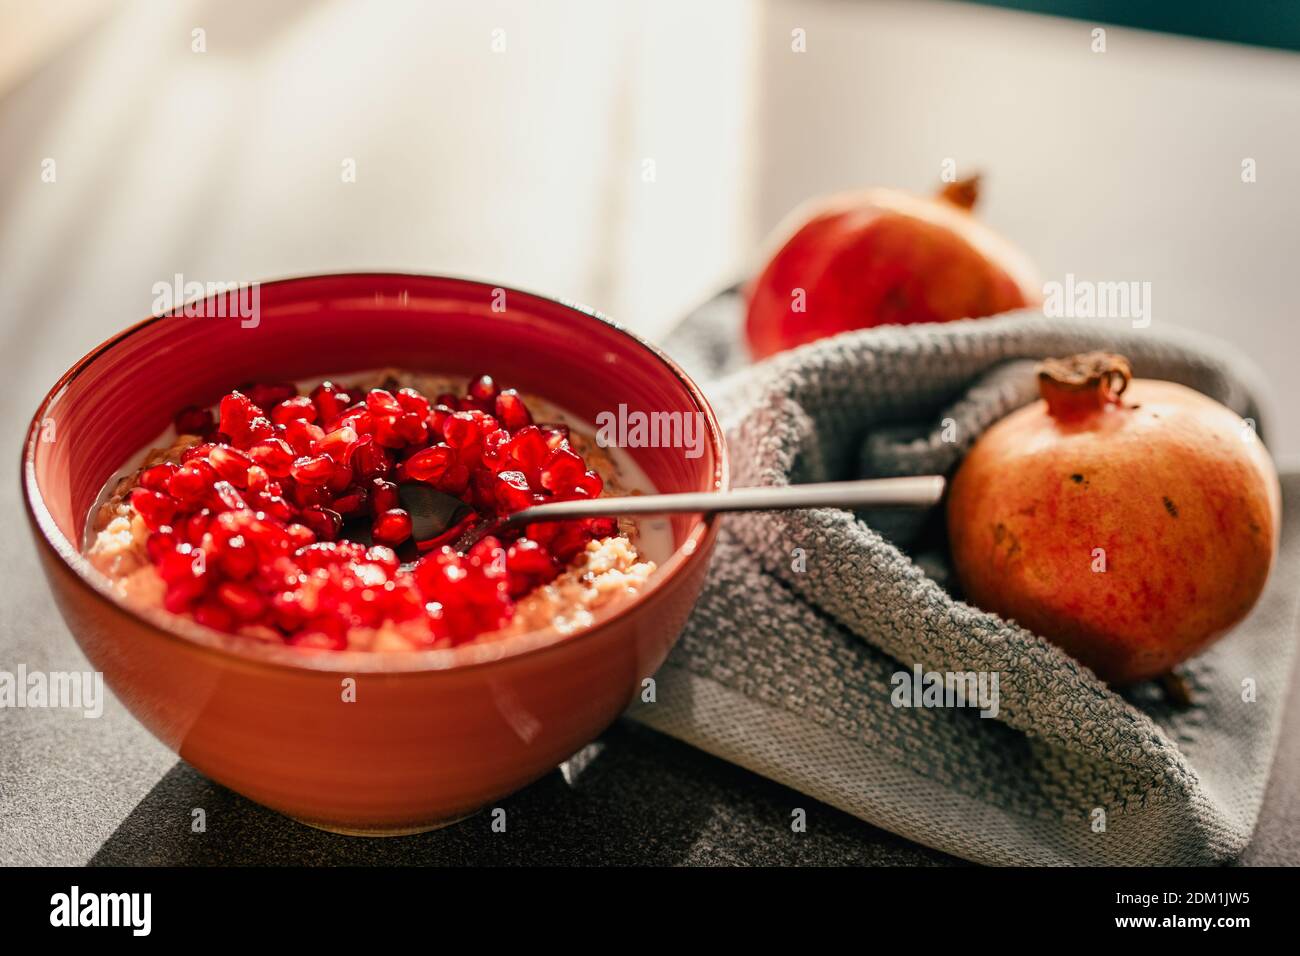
x,y
381,831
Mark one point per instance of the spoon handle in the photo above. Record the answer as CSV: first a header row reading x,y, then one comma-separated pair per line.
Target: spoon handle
x,y
910,492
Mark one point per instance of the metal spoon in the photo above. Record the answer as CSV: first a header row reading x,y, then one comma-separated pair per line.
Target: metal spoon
x,y
911,492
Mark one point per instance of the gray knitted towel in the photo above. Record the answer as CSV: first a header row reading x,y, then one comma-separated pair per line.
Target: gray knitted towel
x,y
785,666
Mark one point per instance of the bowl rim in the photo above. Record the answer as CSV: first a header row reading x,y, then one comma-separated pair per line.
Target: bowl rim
x,y
253,651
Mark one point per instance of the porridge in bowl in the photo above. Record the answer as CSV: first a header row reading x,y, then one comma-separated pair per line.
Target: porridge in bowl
x,y
324,517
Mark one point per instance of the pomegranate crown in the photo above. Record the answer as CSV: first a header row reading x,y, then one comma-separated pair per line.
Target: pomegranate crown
x,y
1083,383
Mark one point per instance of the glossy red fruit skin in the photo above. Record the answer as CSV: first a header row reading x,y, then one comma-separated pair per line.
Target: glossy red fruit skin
x,y
882,257
1132,528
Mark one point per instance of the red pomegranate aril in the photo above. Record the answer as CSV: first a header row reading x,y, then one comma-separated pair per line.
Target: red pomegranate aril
x,y
528,448
237,414
430,464
461,430
157,509
454,481
383,496
214,615
483,390
273,454
511,411
330,401
230,464
352,501
325,523
369,459
160,543
302,436
196,451
382,402
411,426
495,453
512,491
313,469
392,527
177,564
193,420
591,485
300,536
156,477
270,394
557,436
259,482
438,419
526,556
237,559
298,408
338,444
196,526
602,527
412,401
242,600
192,481
562,471
226,495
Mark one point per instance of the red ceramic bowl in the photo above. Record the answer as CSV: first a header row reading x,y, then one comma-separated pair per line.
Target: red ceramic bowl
x,y
432,736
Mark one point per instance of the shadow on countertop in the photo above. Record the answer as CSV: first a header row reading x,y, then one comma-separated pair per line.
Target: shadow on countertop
x,y
632,797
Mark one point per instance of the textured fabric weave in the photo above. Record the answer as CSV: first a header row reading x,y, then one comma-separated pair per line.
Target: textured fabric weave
x,y
785,665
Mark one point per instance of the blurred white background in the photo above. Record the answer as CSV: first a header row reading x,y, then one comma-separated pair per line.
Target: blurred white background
x,y
628,155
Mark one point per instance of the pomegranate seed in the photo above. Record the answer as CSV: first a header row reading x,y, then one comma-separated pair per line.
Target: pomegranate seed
x,y
237,416
259,482
562,471
483,391
300,535
383,496
196,451
155,478
412,401
298,408
192,481
382,402
214,615
511,411
392,527
160,543
270,394
602,527
352,501
330,401
236,558
528,448
324,522
230,464
193,420
369,460
313,470
438,418
459,430
590,485
225,494
430,464
338,444
157,509
302,436
512,491
241,599
273,454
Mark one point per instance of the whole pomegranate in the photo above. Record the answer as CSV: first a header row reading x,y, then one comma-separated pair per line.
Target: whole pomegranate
x,y
884,257
1131,522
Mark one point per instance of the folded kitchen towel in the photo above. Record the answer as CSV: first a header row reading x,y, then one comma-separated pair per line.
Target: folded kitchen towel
x,y
785,665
